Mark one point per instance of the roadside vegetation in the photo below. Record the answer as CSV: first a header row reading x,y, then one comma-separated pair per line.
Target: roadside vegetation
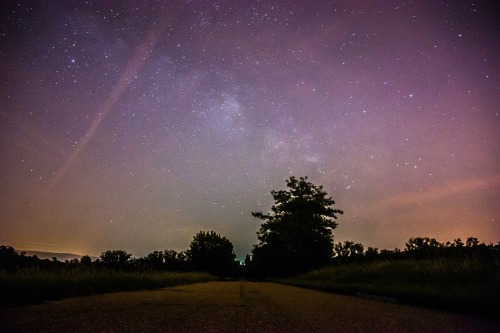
x,y
28,279
32,286
460,277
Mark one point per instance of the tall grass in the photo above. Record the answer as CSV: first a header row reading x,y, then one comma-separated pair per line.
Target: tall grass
x,y
32,286
463,285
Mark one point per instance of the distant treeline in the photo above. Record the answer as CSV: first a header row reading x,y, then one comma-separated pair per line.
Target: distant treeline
x,y
208,252
222,262
119,260
417,248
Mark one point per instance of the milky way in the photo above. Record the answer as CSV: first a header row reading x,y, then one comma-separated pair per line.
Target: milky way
x,y
134,125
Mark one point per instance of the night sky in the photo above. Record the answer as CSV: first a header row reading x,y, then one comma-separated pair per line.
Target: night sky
x,y
135,124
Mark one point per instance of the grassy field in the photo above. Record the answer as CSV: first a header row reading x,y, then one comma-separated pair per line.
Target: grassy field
x,y
462,285
31,286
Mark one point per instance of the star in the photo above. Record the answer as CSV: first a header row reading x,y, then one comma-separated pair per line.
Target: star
x,y
168,119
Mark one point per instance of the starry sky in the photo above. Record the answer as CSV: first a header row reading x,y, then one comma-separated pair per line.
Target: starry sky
x,y
135,124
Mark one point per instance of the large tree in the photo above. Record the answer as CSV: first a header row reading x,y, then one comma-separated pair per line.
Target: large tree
x,y
297,235
211,252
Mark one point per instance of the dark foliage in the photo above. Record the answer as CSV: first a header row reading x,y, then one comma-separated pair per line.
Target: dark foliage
x,y
161,261
457,276
213,253
349,251
297,235
10,260
116,259
208,252
418,248
86,261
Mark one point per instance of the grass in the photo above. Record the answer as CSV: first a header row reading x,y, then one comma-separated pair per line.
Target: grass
x,y
461,285
31,286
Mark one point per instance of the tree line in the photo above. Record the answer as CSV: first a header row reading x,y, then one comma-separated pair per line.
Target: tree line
x,y
417,248
295,237
208,252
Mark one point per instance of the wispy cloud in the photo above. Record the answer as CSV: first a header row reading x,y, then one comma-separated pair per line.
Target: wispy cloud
x,y
438,193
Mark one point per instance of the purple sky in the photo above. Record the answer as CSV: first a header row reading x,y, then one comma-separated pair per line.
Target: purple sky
x,y
134,125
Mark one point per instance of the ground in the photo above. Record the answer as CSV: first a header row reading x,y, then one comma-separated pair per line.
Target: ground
x,y
233,307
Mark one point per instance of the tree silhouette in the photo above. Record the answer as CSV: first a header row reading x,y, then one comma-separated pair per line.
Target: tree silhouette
x,y
348,251
297,235
471,242
174,261
421,244
115,259
9,258
86,261
371,253
155,260
212,253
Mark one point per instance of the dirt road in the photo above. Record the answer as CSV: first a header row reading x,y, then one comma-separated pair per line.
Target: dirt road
x,y
232,307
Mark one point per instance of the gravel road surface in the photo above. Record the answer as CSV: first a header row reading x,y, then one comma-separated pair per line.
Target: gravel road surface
x,y
232,307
